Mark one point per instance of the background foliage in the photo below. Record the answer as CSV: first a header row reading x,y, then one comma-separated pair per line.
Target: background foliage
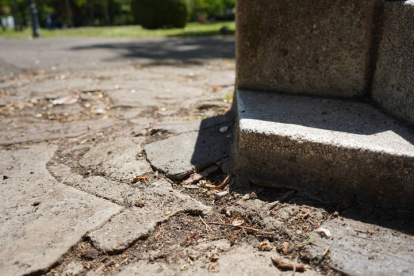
x,y
78,13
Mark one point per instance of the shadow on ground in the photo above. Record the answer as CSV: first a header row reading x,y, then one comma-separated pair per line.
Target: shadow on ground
x,y
188,50
213,142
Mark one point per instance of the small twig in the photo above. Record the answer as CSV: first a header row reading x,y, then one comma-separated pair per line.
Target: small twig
x,y
197,177
294,266
326,251
126,259
273,205
324,254
138,178
286,266
99,268
243,227
208,228
224,184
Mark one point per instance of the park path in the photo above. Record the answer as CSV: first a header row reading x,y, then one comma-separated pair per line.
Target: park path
x,y
97,140
59,54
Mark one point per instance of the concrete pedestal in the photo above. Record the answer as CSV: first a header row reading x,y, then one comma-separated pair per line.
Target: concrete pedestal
x,y
393,87
318,47
334,49
344,150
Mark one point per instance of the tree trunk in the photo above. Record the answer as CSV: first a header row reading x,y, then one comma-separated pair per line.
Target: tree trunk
x,y
68,13
105,12
91,10
16,16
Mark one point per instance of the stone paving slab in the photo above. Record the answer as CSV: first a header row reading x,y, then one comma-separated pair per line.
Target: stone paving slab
x,y
363,249
117,159
41,219
181,155
21,132
161,202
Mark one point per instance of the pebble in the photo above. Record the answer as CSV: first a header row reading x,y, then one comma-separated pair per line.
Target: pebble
x,y
224,129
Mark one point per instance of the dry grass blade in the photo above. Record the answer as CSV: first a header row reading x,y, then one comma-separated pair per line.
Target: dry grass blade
x,y
208,228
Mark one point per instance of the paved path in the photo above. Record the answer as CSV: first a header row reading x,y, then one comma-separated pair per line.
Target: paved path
x,y
20,56
96,139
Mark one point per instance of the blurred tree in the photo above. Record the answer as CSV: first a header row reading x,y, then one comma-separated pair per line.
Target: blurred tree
x,y
68,10
212,8
151,13
155,14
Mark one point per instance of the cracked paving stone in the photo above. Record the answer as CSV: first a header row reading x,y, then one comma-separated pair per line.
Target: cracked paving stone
x,y
40,218
101,187
117,159
179,127
126,98
358,248
38,132
237,261
181,155
161,202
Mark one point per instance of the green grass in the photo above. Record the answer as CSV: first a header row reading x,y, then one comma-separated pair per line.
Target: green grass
x,y
192,29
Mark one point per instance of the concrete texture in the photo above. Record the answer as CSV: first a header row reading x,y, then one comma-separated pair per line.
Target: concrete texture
x,y
319,48
325,146
136,223
44,219
178,127
393,87
181,155
363,249
22,131
120,160
23,56
236,261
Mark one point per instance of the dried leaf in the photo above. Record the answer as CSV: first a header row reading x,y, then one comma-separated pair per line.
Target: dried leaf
x,y
70,99
265,246
237,222
138,178
285,247
324,232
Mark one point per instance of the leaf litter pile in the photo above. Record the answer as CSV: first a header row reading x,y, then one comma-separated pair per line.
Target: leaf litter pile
x,y
268,219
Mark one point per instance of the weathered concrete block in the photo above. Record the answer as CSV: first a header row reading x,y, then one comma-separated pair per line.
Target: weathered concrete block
x,y
309,47
393,86
343,148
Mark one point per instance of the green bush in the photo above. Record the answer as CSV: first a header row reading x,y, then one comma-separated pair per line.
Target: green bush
x,y
156,14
